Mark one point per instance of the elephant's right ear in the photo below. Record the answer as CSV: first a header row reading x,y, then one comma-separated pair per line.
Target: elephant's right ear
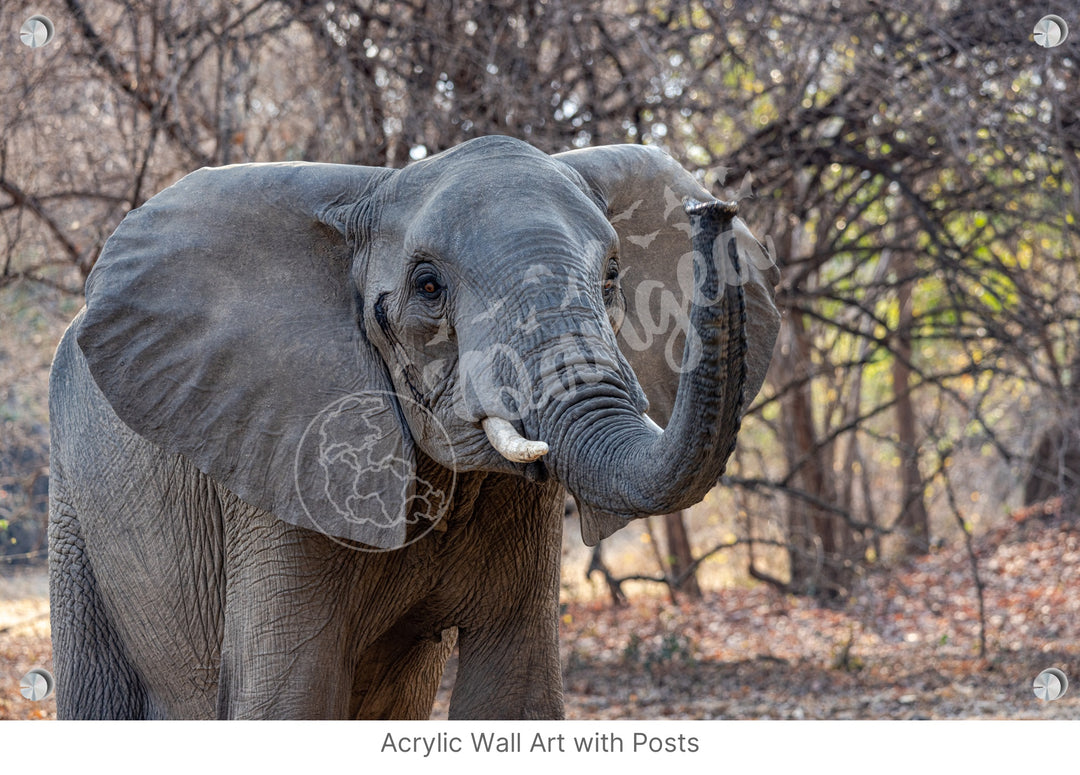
x,y
222,323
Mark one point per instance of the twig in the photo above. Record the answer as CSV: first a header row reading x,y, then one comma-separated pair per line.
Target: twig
x,y
667,579
597,565
970,547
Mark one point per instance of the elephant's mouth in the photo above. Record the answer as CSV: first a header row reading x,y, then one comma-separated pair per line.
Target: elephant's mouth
x,y
537,471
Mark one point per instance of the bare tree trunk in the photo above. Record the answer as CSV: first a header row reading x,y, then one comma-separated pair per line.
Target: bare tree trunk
x,y
814,553
1055,460
679,556
913,520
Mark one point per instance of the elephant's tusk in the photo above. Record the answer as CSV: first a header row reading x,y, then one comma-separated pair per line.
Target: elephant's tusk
x,y
650,423
511,444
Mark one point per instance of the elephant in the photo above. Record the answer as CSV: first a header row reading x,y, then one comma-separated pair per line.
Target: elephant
x,y
315,422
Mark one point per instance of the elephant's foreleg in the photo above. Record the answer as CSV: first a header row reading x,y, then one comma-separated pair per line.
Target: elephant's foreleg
x,y
508,675
508,640
287,647
399,675
94,677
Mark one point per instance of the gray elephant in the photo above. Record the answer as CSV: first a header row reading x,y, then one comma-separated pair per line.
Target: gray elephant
x,y
313,425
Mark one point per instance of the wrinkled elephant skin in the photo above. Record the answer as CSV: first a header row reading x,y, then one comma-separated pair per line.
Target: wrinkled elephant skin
x,y
315,425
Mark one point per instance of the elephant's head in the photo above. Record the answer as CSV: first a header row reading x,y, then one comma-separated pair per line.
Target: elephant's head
x,y
299,330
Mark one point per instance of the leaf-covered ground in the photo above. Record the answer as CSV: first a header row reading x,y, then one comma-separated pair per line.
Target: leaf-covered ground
x,y
24,640
905,646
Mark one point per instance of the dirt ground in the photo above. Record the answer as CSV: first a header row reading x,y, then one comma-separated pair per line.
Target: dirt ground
x,y
24,639
904,646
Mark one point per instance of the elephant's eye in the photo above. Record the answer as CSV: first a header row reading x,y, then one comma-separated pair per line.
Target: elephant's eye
x,y
429,285
611,283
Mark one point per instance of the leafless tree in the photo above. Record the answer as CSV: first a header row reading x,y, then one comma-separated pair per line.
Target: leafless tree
x,y
917,165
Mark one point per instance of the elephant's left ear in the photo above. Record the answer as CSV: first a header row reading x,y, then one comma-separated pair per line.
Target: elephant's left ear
x,y
642,190
222,323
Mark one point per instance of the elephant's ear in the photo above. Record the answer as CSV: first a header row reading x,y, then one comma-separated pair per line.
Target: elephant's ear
x,y
222,323
643,190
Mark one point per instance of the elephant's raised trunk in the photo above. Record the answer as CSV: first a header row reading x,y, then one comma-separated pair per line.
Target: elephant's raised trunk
x,y
616,462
